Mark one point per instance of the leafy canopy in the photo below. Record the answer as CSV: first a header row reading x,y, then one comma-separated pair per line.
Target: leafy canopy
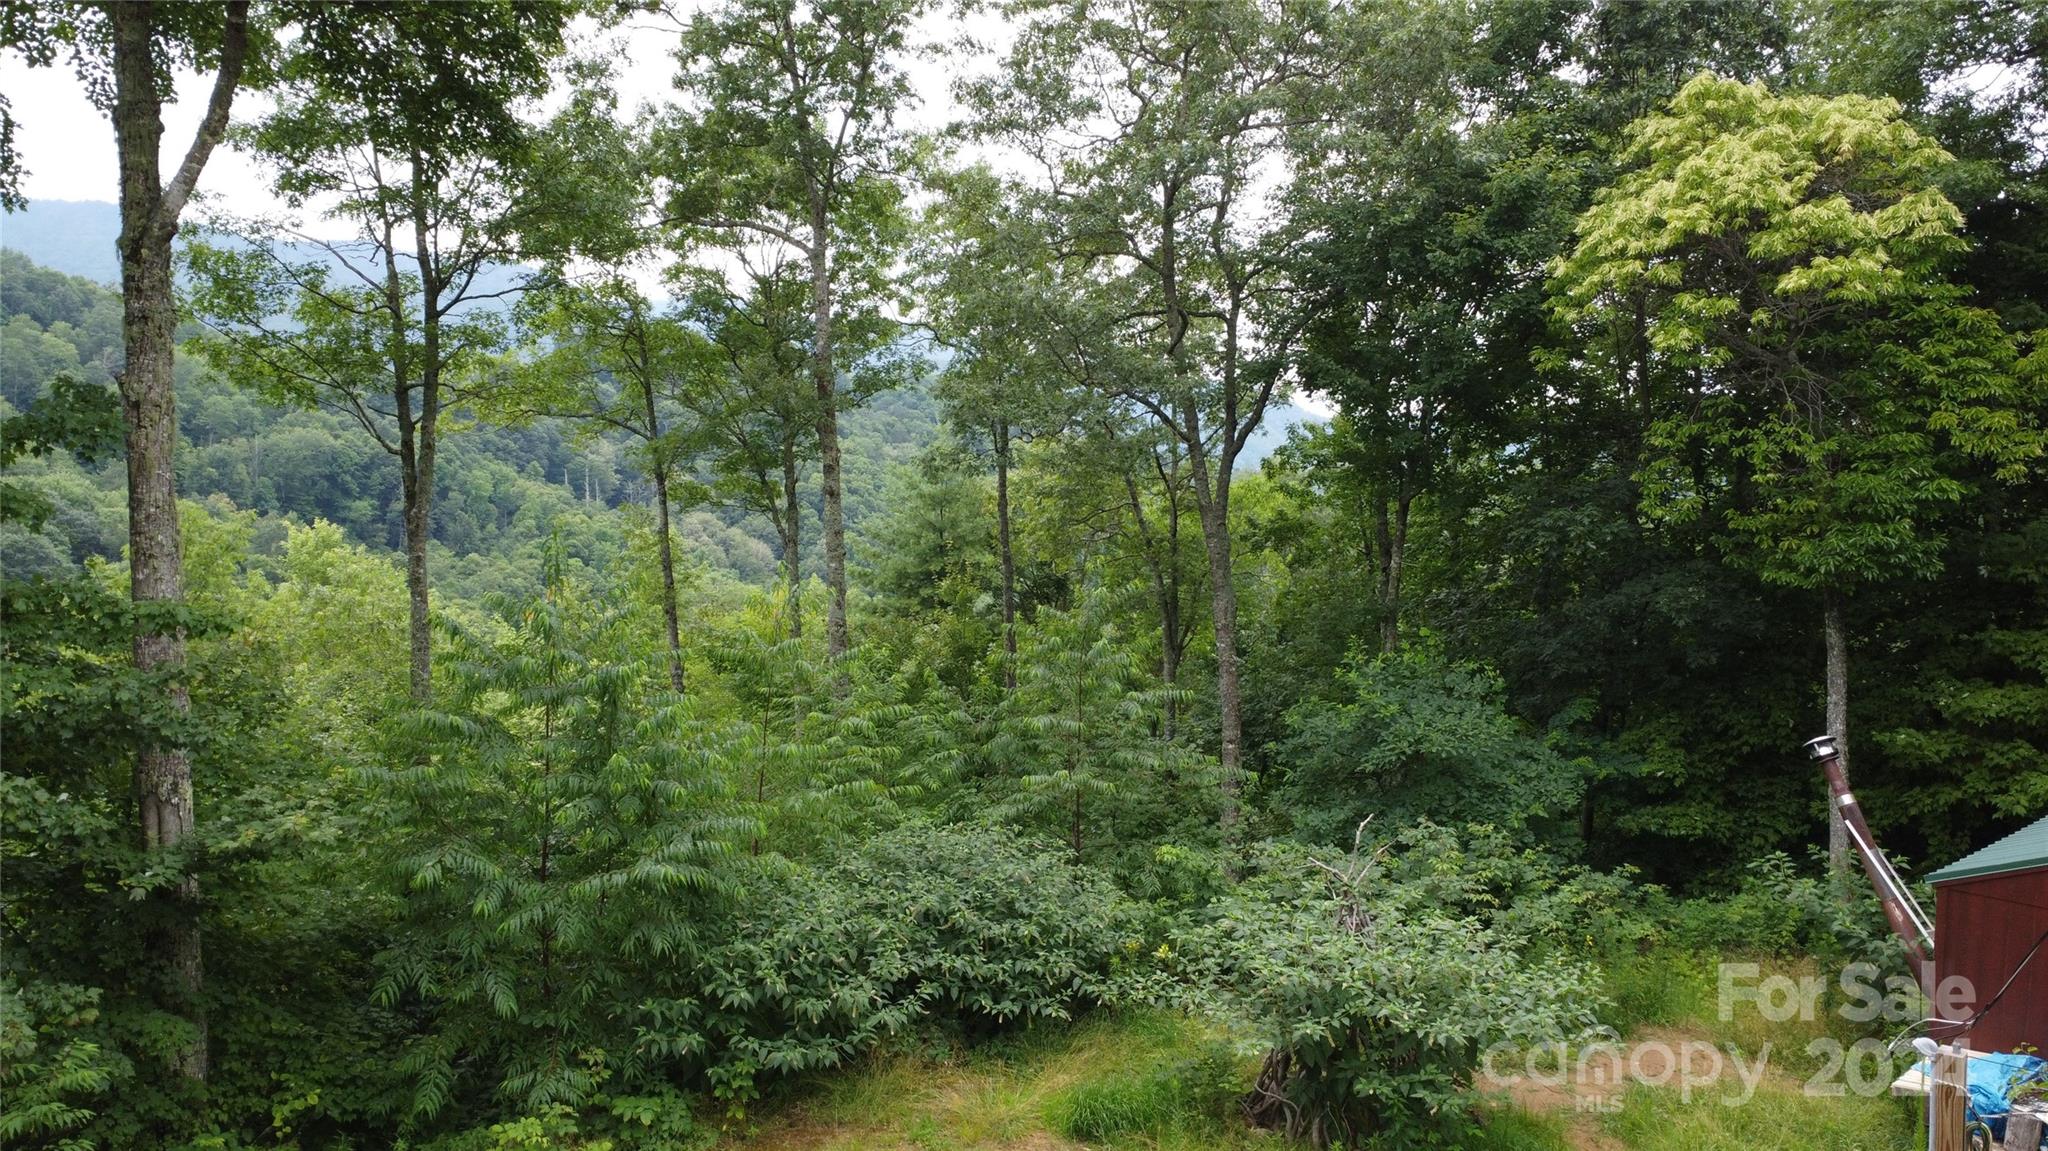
x,y
1789,252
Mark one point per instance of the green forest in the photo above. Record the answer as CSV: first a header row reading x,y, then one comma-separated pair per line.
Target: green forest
x,y
1024,574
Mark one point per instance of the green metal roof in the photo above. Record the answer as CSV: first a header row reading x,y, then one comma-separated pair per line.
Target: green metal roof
x,y
2023,849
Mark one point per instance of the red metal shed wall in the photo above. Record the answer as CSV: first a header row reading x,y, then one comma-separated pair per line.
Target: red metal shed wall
x,y
1983,927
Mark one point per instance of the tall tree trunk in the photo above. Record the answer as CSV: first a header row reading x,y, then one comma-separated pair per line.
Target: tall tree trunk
x,y
163,775
792,539
1223,619
419,464
1212,498
824,379
1646,407
668,574
419,530
419,633
1172,642
1835,635
1165,586
1213,506
1174,630
150,211
1393,549
419,638
1002,445
658,458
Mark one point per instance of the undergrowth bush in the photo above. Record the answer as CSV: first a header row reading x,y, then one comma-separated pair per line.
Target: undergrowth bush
x,y
1414,733
53,1076
1659,988
1781,910
658,1120
1372,1004
923,926
1495,875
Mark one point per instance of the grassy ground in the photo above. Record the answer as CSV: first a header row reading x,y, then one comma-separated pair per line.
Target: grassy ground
x,y
1164,1084
1775,1120
1672,1002
1136,1081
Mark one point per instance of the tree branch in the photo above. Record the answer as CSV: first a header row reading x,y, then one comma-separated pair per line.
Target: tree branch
x,y
234,51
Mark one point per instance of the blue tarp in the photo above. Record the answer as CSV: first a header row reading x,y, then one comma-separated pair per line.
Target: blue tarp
x,y
1992,1081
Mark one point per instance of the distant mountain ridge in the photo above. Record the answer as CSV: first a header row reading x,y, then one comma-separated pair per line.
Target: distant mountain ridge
x,y
75,237
82,237
79,238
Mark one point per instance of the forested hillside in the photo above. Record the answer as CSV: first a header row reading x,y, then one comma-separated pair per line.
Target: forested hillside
x,y
789,616
504,491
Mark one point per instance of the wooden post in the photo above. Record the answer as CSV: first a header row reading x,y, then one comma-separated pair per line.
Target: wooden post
x,y
2022,1132
1946,1107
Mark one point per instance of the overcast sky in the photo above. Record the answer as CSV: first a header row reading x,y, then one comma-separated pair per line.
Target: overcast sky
x,y
67,145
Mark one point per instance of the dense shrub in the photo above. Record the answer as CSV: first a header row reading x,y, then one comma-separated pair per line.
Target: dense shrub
x,y
1373,1007
658,1121
1780,910
954,926
1414,735
52,1075
595,843
1487,872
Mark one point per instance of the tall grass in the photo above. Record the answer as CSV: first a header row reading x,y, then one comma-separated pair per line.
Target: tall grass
x,y
1654,1119
1663,988
1189,1092
1156,1082
1512,1129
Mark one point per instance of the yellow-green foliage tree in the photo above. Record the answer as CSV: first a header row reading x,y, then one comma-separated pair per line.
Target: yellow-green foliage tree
x,y
1789,253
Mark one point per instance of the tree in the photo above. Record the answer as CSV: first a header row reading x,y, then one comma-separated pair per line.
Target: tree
x,y
607,356
427,159
1413,736
1954,701
1117,482
1420,291
1072,732
1152,124
985,288
756,413
1792,253
557,845
1377,979
791,135
1531,551
122,53
977,389
1121,492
